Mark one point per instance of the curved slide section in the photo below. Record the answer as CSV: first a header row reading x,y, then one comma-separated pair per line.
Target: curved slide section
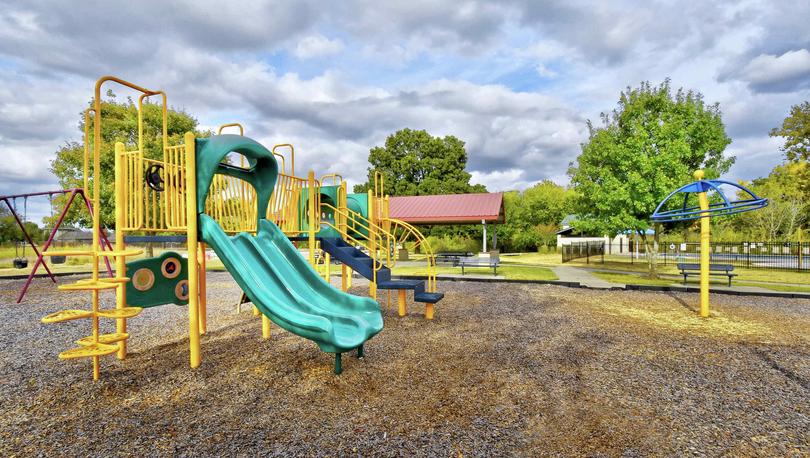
x,y
286,289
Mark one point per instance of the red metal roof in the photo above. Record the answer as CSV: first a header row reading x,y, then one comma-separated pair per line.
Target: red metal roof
x,y
448,209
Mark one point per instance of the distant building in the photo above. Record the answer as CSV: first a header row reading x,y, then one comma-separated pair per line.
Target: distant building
x,y
620,244
76,236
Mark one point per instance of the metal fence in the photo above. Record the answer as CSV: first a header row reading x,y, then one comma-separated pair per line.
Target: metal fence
x,y
753,255
587,250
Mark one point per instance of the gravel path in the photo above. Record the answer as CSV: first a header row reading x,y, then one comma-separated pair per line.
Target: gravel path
x,y
502,370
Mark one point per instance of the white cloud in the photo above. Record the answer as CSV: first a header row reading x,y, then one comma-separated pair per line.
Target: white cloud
x,y
317,46
515,79
767,70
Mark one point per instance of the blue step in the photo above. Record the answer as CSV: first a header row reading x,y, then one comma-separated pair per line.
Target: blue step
x,y
400,284
363,264
431,298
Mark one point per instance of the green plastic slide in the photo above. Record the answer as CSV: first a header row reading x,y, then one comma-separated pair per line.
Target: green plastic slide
x,y
269,269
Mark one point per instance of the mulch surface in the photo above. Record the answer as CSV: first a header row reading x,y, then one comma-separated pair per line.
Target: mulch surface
x,y
531,370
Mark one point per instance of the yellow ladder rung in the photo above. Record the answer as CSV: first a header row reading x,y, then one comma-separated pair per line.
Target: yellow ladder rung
x,y
88,286
66,315
105,280
124,253
96,349
103,339
126,312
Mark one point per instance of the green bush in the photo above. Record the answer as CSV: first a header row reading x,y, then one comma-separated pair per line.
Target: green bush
x,y
447,243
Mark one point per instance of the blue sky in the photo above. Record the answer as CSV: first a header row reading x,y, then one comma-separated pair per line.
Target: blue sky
x,y
516,80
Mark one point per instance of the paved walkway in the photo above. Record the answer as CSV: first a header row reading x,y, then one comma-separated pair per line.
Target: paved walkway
x,y
583,277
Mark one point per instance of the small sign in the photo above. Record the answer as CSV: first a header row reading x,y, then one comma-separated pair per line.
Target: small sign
x,y
671,246
683,247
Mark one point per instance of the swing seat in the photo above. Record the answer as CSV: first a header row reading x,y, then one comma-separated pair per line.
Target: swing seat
x,y
20,263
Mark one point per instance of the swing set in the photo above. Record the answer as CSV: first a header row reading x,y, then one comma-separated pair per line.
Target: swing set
x,y
21,261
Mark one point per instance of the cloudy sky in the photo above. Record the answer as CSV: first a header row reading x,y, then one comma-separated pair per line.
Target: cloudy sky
x,y
516,80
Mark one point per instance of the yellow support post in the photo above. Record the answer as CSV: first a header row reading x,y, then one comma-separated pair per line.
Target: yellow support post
x,y
265,327
401,303
203,299
429,311
372,246
344,284
705,254
120,262
328,267
191,237
311,210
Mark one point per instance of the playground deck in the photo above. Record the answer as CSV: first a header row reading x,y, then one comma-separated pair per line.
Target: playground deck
x,y
502,370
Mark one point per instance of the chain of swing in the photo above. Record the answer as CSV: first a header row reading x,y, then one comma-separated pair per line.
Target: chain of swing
x,y
20,259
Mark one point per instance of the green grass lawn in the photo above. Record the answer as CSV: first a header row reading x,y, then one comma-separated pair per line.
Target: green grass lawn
x,y
508,272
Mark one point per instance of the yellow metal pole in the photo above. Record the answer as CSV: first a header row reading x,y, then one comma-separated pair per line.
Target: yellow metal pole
x,y
312,217
705,255
120,262
429,311
328,267
191,237
344,285
265,327
349,274
401,303
372,236
203,299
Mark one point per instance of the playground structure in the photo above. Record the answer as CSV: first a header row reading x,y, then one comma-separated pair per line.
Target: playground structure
x,y
71,195
227,192
706,190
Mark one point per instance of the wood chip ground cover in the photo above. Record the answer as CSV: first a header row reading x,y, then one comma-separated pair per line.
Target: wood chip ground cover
x,y
504,369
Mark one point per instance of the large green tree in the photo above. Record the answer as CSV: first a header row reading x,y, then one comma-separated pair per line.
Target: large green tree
x,y
119,124
645,148
415,163
787,208
795,129
533,216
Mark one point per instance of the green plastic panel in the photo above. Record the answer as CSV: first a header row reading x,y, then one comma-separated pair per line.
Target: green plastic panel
x,y
158,281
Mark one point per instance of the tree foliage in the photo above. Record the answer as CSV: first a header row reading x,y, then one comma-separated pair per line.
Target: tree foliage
x,y
119,124
787,206
10,230
415,163
795,129
533,216
645,148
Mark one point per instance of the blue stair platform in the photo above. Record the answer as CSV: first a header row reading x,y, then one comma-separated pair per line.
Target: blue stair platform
x,y
363,264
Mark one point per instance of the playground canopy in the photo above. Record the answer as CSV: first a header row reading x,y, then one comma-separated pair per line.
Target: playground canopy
x,y
449,209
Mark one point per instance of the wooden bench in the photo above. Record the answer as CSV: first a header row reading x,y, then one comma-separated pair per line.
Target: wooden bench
x,y
475,261
451,257
714,269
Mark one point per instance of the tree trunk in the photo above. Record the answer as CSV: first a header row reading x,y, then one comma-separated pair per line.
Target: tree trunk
x,y
149,251
652,254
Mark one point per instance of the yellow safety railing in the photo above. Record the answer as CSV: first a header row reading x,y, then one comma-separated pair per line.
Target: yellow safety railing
x,y
283,209
232,203
378,242
402,232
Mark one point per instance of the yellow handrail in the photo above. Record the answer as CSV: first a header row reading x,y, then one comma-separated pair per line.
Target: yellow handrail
x,y
232,124
292,156
409,230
